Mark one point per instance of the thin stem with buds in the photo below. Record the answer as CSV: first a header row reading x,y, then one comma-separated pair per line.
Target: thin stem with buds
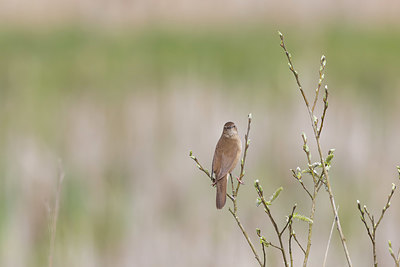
x,y
396,258
267,210
317,133
371,229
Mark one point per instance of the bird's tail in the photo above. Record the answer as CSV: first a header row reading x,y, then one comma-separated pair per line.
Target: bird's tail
x,y
221,191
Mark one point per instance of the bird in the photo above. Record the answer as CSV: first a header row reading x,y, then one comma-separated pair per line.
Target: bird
x,y
226,156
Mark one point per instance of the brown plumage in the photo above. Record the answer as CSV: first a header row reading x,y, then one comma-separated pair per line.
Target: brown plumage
x,y
226,156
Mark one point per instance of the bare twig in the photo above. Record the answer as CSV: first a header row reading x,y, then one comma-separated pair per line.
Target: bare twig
x,y
290,244
329,241
298,243
246,236
54,214
314,123
371,229
297,175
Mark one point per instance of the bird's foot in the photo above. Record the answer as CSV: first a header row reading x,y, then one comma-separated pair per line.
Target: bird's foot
x,y
240,181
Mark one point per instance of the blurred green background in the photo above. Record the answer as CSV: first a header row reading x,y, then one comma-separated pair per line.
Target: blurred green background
x,y
121,91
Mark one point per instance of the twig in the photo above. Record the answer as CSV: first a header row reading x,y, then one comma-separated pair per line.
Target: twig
x,y
273,222
329,241
201,167
314,123
371,230
324,112
264,243
290,245
246,146
395,258
313,196
264,256
297,176
298,243
246,236
289,224
321,78
54,214
289,220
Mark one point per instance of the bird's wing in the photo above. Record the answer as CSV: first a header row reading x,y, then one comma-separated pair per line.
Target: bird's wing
x,y
228,160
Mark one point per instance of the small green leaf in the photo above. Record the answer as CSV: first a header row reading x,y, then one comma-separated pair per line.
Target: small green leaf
x,y
316,165
258,231
258,202
329,159
302,218
275,194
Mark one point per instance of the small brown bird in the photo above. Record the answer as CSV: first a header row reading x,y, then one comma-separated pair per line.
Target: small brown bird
x,y
226,156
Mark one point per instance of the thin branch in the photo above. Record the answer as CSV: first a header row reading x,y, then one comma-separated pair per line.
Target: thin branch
x,y
233,187
291,67
246,146
329,241
395,258
290,244
314,124
289,220
201,167
246,236
386,206
324,112
301,182
371,229
274,224
321,78
298,243
264,255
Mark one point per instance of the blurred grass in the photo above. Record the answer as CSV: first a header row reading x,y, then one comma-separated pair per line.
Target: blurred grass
x,y
70,59
39,70
44,66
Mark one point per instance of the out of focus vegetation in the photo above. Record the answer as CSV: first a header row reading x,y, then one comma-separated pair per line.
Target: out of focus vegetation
x,y
112,105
